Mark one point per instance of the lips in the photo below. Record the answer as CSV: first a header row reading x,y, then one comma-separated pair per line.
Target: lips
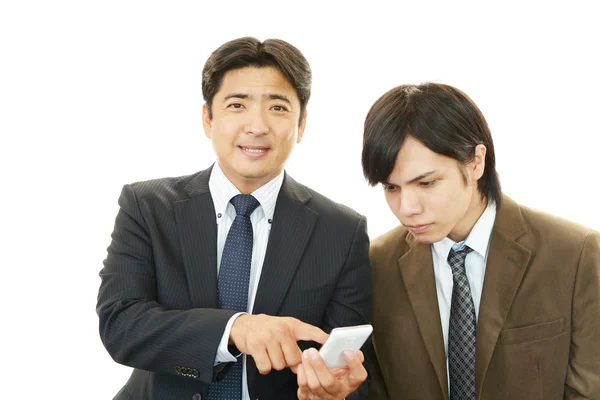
x,y
254,149
417,228
254,152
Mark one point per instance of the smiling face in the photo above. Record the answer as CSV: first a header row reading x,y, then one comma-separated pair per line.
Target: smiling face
x,y
254,126
434,196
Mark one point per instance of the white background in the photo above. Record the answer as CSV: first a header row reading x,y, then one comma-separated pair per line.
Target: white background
x,y
95,94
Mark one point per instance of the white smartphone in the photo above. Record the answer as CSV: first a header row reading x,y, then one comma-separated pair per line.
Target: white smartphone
x,y
340,339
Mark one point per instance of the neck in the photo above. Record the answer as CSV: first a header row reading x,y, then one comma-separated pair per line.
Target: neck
x,y
247,189
247,185
476,209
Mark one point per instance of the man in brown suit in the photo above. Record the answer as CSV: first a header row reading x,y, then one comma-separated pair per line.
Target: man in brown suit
x,y
475,296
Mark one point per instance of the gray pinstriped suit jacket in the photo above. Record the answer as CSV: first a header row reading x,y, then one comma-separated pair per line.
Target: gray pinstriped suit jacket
x,y
157,301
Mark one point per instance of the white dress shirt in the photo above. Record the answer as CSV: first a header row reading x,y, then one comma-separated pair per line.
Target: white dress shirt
x,y
479,241
222,191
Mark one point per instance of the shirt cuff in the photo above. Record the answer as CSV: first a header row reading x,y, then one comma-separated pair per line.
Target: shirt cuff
x,y
223,353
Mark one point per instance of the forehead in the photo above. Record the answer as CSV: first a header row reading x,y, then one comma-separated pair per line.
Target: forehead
x,y
256,80
414,159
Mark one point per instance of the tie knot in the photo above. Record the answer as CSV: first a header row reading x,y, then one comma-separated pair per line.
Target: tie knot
x,y
244,204
456,259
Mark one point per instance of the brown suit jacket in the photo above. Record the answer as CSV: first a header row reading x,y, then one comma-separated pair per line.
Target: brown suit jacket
x,y
538,333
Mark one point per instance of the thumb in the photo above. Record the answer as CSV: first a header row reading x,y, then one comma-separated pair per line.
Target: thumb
x,y
304,331
358,373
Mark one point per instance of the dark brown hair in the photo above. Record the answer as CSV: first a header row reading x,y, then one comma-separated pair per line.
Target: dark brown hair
x,y
250,52
441,117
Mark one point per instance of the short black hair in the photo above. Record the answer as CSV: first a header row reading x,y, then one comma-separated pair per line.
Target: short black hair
x,y
250,52
441,117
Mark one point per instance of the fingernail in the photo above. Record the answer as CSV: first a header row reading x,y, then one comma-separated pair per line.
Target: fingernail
x,y
312,353
305,354
349,354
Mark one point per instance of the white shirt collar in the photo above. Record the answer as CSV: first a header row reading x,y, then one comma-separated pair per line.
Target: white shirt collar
x,y
478,239
222,191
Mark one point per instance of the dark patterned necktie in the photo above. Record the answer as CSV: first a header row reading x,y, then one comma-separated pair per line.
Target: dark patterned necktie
x,y
234,279
461,334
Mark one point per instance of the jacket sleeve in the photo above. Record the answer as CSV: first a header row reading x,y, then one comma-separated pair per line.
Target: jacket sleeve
x,y
135,328
378,389
583,374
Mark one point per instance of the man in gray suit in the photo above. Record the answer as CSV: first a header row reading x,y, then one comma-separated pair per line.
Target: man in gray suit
x,y
215,282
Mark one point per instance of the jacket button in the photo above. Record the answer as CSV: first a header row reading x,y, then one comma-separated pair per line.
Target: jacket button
x,y
197,396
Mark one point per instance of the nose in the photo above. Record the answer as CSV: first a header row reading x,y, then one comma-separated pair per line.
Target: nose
x,y
257,122
410,204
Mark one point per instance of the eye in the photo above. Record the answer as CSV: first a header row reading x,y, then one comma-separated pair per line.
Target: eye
x,y
389,187
427,184
236,106
279,108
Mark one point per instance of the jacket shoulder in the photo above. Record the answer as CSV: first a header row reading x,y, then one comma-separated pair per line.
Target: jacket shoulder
x,y
389,247
326,207
169,189
552,228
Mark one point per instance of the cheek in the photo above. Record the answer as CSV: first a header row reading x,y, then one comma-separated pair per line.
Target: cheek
x,y
450,205
440,204
286,140
289,133
227,128
393,202
283,128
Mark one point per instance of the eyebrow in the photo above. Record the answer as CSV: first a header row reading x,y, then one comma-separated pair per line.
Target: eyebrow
x,y
417,178
277,96
267,96
424,175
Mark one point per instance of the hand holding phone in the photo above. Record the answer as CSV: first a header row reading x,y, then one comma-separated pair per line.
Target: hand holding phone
x,y
341,339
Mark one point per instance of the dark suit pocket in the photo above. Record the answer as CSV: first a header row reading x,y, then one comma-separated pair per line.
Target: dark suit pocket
x,y
531,333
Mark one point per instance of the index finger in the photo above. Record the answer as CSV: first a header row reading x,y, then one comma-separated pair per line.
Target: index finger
x,y
304,331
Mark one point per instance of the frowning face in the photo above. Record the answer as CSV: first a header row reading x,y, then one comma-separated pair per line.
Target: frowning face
x,y
434,196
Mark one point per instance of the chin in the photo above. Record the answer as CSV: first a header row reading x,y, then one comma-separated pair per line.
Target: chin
x,y
428,238
425,240
249,170
254,173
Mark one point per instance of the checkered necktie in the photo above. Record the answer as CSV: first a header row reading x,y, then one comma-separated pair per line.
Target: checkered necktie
x,y
234,279
461,335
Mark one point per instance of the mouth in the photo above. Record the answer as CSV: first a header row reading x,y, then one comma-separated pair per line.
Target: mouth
x,y
417,228
254,151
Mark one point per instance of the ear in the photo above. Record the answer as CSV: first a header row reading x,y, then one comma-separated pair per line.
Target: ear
x,y
301,127
477,166
206,121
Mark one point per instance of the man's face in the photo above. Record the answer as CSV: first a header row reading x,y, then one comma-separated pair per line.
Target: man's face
x,y
427,192
254,125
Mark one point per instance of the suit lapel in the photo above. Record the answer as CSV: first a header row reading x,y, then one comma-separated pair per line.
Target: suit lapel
x,y
293,224
506,264
416,267
197,229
